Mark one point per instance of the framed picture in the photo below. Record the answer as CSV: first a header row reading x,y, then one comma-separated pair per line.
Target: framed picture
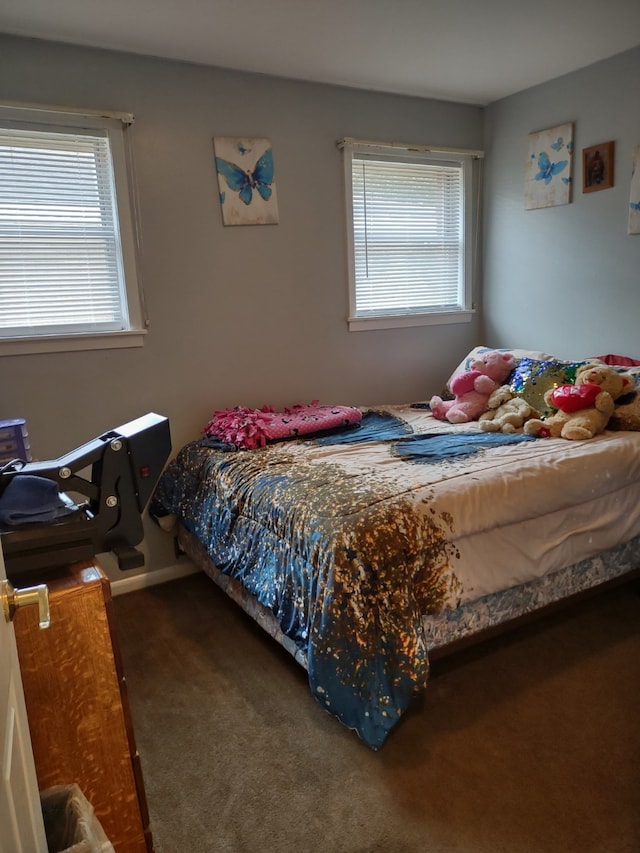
x,y
597,167
547,178
634,197
246,180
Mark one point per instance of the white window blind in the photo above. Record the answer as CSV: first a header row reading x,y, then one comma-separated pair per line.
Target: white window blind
x,y
62,259
410,235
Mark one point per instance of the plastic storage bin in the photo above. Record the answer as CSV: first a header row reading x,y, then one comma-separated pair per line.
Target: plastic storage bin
x,y
70,822
14,440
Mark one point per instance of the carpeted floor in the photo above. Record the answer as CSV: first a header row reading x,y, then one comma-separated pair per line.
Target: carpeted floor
x,y
528,744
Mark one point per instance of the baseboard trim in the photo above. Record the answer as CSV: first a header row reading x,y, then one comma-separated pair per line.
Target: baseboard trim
x,y
147,579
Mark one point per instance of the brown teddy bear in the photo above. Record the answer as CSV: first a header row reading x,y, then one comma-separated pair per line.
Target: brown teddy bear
x,y
584,408
507,412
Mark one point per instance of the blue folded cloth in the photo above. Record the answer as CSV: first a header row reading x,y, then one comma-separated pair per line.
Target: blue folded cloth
x,y
28,499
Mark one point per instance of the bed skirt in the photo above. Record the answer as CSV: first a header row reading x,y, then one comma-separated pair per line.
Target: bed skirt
x,y
451,630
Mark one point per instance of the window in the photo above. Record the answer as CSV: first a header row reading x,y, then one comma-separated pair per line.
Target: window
x,y
410,235
67,247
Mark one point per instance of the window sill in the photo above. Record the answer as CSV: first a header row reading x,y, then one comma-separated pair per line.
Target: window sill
x,y
72,343
361,324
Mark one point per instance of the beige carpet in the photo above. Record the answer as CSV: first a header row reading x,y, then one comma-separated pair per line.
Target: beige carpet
x,y
528,744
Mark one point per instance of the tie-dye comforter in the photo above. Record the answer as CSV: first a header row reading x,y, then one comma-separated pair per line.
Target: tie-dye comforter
x,y
349,538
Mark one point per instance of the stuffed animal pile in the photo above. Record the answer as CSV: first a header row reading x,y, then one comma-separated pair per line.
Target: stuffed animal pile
x,y
473,387
580,410
584,408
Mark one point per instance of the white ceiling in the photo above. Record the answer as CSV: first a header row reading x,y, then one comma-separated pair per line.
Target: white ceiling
x,y
473,51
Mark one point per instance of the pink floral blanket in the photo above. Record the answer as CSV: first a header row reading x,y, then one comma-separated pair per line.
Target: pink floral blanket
x,y
252,428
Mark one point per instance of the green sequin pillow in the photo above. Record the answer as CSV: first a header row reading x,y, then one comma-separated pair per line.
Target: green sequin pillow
x,y
531,379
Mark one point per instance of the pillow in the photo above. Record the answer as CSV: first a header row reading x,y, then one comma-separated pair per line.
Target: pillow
x,y
518,354
533,377
621,360
633,371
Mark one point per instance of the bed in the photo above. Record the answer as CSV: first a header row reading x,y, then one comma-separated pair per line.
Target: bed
x,y
370,549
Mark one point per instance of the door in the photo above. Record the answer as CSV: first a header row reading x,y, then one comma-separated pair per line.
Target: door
x,y
21,825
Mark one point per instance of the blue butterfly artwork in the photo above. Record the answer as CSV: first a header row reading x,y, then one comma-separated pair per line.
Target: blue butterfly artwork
x,y
548,179
549,170
245,182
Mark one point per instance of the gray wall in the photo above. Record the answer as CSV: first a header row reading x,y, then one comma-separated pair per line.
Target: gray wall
x,y
564,279
245,315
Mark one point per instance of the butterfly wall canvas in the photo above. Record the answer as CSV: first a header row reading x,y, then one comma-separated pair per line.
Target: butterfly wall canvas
x,y
246,180
634,198
548,168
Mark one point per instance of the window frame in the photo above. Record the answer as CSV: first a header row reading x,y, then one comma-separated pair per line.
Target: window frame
x,y
467,160
115,126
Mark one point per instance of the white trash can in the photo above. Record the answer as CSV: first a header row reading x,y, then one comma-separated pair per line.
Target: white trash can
x,y
70,822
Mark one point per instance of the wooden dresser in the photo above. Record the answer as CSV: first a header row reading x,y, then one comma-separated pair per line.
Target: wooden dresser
x,y
77,705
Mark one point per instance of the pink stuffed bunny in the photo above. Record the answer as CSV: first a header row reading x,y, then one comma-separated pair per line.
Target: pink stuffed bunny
x,y
473,387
